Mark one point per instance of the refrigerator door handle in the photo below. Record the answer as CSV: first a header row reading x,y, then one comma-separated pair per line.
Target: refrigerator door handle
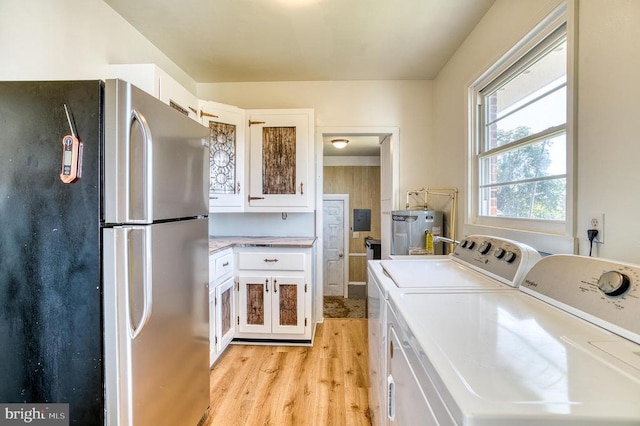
x,y
139,189
137,276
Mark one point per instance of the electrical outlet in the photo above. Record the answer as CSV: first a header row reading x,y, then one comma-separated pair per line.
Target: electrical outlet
x,y
596,221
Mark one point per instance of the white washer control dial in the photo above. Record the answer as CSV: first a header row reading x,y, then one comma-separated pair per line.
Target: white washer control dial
x,y
510,257
613,283
484,247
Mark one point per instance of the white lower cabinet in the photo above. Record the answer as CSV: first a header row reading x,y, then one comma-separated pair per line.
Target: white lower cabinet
x,y
222,303
274,295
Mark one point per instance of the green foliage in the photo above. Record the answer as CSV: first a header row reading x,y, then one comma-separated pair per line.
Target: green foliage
x,y
543,199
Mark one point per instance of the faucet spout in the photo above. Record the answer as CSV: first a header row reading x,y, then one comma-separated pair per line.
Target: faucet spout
x,y
437,239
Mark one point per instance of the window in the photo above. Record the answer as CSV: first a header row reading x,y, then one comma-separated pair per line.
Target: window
x,y
519,139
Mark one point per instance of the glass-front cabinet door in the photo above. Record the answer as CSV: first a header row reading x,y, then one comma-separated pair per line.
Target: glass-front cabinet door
x,y
254,304
225,314
226,155
281,160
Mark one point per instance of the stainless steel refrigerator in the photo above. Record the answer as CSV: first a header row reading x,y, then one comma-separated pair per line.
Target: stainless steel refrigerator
x,y
103,254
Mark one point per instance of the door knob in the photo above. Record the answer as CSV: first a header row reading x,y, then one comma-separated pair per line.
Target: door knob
x,y
340,254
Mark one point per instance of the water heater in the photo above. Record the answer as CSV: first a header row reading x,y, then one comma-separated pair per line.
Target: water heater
x,y
409,228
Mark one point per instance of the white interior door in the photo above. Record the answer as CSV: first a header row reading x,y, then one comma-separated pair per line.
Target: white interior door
x,y
334,241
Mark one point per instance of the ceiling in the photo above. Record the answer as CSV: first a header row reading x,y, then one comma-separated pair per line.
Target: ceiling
x,y
305,40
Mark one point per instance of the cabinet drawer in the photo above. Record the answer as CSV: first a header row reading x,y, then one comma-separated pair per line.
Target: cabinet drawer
x,y
272,261
224,266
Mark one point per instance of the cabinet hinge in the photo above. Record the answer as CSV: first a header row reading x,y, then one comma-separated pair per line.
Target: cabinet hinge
x,y
255,122
238,285
207,114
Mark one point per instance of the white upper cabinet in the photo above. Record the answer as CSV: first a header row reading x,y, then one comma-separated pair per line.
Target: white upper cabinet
x,y
159,84
281,159
226,155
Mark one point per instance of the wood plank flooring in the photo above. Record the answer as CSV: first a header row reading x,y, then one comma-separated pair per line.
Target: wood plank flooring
x,y
326,384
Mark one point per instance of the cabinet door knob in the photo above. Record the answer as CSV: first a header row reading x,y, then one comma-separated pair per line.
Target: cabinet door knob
x,y
266,285
275,286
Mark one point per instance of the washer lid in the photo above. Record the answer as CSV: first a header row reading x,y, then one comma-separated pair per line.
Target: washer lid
x,y
442,273
507,357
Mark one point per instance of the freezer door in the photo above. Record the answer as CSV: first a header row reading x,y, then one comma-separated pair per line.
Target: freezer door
x,y
156,357
156,159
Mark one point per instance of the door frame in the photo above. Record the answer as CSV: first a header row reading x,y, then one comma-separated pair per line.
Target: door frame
x,y
345,238
393,198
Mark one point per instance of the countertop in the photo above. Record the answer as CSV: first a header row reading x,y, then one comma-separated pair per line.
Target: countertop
x,y
221,243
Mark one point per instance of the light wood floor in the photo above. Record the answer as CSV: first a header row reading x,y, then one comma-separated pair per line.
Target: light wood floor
x,y
283,385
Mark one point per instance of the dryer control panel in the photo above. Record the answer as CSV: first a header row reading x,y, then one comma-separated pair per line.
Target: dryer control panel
x,y
503,259
604,292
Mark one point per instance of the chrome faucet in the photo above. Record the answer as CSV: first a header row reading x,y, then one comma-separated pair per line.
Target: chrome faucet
x,y
437,239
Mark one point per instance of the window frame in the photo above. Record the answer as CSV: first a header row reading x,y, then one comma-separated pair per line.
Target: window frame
x,y
551,235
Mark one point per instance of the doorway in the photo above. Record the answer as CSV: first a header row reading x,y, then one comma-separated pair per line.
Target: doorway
x,y
386,146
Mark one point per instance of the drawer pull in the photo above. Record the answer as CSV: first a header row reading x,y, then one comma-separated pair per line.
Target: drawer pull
x,y
271,260
225,264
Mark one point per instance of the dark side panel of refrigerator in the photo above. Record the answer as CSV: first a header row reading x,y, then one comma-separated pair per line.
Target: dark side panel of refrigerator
x,y
50,260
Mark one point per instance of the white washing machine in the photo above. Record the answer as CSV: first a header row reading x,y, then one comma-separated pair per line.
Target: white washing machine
x,y
562,350
479,263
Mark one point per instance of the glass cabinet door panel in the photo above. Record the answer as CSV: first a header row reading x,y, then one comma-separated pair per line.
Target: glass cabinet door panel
x,y
255,304
222,151
225,308
288,305
278,160
288,301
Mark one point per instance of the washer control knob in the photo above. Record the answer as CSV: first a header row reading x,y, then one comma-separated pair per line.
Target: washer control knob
x,y
510,256
471,245
484,247
613,283
463,243
499,253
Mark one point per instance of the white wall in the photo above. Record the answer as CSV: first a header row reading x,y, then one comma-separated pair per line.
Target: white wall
x,y
499,30
607,147
403,104
608,115
72,39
